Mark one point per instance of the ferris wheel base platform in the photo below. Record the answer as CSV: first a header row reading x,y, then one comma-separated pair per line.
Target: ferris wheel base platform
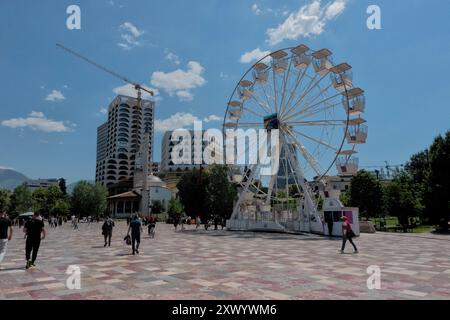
x,y
269,226
250,225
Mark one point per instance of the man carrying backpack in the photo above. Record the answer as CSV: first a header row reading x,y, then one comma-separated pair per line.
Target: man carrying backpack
x,y
107,229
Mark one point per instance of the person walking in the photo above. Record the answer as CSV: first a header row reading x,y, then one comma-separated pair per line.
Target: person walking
x,y
107,229
135,228
224,223
198,222
330,223
347,234
6,232
151,226
75,222
35,232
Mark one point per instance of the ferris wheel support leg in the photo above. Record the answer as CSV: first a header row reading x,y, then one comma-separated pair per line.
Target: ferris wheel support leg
x,y
310,208
236,209
270,189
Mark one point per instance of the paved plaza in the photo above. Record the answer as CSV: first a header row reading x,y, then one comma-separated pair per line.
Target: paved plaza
x,y
199,264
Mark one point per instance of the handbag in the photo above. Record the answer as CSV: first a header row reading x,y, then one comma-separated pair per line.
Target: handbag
x,y
350,234
127,239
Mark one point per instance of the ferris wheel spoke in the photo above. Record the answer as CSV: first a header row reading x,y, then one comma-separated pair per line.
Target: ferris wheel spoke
x,y
311,86
267,97
246,150
253,112
260,103
275,89
319,123
315,140
305,153
285,80
249,124
327,107
291,115
322,91
298,81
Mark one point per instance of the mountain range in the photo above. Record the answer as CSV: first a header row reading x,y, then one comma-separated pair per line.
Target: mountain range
x,y
10,179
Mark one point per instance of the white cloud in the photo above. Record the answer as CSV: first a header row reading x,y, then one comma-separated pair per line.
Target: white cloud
x,y
335,8
185,95
176,121
55,95
254,55
130,37
180,82
211,118
37,121
181,120
309,20
172,57
257,11
6,168
103,110
128,26
37,114
130,91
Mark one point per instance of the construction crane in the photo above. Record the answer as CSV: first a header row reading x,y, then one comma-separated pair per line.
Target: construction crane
x,y
139,88
392,168
384,172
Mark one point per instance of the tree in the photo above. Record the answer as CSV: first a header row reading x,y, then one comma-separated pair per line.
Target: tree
x,y
21,200
366,194
401,199
192,193
157,207
51,201
5,200
345,198
44,199
220,193
89,199
61,207
175,209
437,197
62,186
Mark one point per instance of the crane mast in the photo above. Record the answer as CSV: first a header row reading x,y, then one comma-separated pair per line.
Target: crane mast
x,y
145,150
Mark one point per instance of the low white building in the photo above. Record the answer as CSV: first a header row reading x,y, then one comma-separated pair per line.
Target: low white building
x,y
129,203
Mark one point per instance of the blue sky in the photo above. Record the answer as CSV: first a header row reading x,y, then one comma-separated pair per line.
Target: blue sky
x,y
52,102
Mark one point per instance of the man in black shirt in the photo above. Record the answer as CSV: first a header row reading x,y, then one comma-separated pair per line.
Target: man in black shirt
x,y
35,231
5,226
136,229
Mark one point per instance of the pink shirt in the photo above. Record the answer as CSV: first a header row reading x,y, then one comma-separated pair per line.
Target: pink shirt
x,y
346,226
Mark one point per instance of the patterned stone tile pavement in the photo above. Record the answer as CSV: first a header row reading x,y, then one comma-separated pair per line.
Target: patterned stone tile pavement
x,y
199,264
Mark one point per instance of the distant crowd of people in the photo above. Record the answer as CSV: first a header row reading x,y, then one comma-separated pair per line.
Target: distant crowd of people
x,y
215,221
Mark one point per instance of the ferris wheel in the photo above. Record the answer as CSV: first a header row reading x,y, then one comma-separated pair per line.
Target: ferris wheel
x,y
318,113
